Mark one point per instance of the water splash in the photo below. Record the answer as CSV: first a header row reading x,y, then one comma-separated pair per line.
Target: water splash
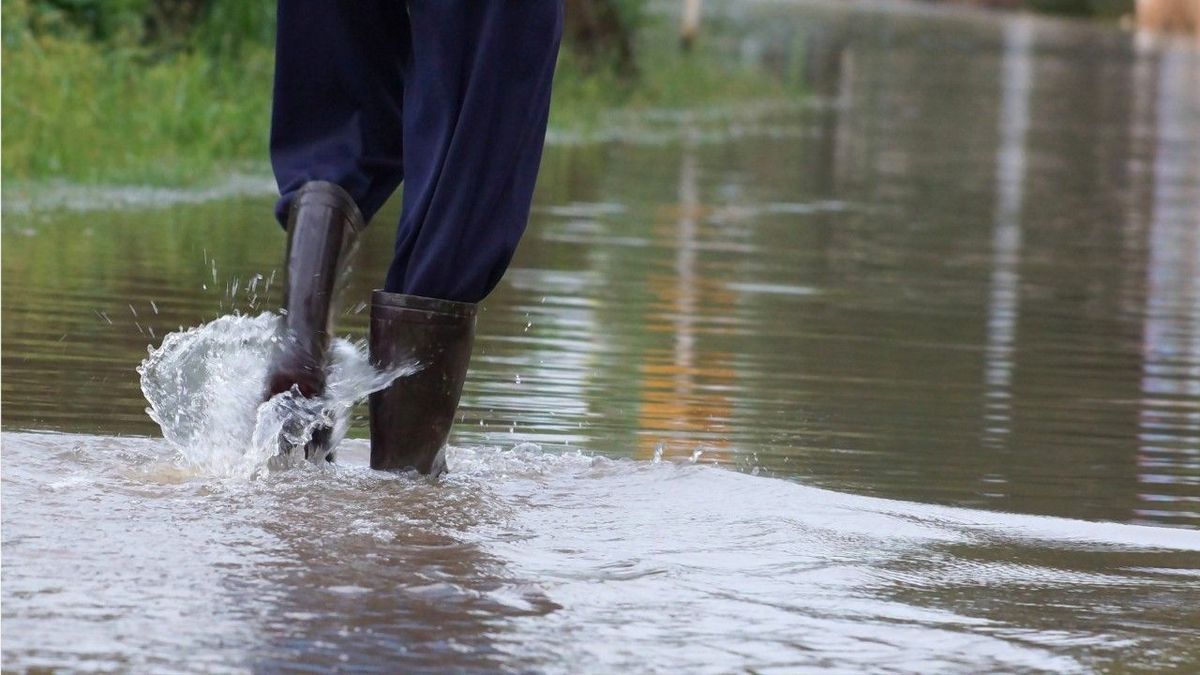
x,y
205,384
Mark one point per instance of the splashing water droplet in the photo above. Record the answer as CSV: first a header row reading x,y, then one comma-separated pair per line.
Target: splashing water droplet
x,y
205,387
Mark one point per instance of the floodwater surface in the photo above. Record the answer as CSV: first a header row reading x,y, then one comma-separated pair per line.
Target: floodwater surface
x,y
903,375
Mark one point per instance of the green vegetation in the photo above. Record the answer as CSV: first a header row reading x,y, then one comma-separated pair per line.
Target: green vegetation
x,y
82,112
1106,9
174,92
94,98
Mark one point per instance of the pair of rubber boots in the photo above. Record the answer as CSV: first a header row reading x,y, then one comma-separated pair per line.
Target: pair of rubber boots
x,y
411,418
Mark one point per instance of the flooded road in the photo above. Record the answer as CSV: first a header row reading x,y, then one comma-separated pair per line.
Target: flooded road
x,y
904,375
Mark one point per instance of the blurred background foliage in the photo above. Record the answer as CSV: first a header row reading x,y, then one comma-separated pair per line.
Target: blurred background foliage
x,y
163,91
1111,9
173,91
1105,9
133,90
162,26
600,31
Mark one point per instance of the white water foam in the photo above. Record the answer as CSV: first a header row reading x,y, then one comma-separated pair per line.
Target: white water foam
x,y
205,386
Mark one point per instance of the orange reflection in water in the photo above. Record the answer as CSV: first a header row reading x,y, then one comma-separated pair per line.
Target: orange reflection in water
x,y
685,394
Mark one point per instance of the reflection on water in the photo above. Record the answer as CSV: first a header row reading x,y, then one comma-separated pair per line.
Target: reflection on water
x,y
966,273
1170,417
1004,298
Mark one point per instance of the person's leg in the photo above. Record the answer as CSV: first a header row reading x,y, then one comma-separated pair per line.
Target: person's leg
x,y
477,94
476,99
336,147
337,112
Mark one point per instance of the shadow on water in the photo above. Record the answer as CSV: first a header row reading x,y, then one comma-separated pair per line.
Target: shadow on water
x,y
965,273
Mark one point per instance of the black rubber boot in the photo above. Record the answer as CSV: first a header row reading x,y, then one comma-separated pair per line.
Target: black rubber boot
x,y
323,228
411,419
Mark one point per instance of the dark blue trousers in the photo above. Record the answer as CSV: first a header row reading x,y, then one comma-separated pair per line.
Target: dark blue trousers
x,y
449,96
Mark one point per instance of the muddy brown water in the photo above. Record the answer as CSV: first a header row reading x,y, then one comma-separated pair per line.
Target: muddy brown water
x,y
902,376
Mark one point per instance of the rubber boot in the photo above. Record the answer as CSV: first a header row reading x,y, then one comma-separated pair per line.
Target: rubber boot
x,y
323,229
411,418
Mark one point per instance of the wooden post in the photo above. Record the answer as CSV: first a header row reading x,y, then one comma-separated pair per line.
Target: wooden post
x,y
690,24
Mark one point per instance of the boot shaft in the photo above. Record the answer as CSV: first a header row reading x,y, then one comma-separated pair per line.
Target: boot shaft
x,y
323,229
411,419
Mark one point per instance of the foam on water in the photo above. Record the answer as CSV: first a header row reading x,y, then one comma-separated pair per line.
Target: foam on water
x,y
205,384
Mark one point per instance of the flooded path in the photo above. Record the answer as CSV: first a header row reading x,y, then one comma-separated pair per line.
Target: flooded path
x,y
942,321
527,560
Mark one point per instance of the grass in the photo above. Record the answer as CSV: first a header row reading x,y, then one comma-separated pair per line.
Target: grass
x,y
74,110
82,111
